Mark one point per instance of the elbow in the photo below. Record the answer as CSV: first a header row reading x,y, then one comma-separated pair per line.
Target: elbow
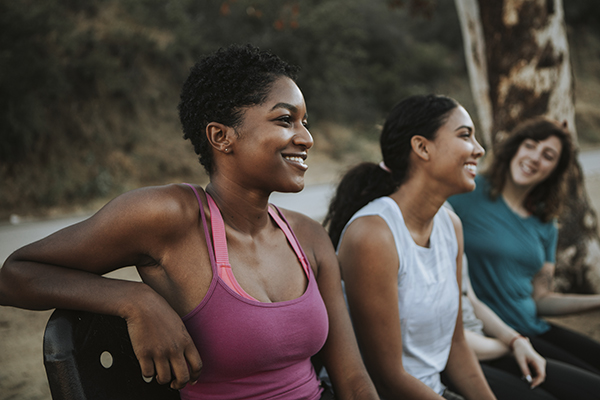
x,y
11,281
388,386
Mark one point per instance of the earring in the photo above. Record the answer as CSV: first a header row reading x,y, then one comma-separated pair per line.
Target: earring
x,y
226,150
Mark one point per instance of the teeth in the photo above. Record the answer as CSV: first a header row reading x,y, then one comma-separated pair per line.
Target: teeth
x,y
471,167
526,168
295,159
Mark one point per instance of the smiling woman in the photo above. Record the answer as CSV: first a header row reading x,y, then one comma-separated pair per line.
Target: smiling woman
x,y
401,253
510,240
237,295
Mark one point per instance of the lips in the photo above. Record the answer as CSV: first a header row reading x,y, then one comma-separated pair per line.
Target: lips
x,y
527,169
296,160
472,168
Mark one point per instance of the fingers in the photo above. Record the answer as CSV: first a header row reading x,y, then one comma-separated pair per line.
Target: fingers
x,y
177,368
163,370
186,367
181,374
194,363
522,362
147,367
540,371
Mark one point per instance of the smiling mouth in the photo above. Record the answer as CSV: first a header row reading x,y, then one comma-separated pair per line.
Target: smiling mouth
x,y
296,160
527,169
472,168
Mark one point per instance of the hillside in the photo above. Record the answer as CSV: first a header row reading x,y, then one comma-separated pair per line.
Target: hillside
x,y
90,89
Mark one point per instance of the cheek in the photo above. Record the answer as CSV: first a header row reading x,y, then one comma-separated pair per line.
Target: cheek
x,y
549,167
514,163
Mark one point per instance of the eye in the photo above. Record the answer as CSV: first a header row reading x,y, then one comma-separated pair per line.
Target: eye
x,y
549,156
306,125
286,119
529,144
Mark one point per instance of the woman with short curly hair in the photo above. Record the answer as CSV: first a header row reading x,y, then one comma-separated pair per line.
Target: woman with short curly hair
x,y
236,294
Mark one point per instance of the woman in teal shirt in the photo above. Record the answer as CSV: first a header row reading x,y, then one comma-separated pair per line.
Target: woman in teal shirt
x,y
510,238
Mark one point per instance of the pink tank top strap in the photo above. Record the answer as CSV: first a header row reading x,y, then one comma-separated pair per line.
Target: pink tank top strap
x,y
206,234
291,237
221,254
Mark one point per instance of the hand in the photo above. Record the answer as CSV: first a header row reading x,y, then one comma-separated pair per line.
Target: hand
x,y
526,356
162,344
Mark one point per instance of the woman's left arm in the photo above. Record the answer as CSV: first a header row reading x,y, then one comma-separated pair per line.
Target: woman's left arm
x,y
462,368
340,354
550,303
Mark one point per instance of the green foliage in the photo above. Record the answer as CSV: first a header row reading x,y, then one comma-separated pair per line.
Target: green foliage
x,y
358,57
30,74
88,89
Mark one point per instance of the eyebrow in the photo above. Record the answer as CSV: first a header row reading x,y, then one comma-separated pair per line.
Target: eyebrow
x,y
470,129
288,106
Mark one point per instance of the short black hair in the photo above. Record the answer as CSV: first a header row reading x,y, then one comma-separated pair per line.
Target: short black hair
x,y
220,85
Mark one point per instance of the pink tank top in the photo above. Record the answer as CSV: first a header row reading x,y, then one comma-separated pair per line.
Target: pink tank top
x,y
250,349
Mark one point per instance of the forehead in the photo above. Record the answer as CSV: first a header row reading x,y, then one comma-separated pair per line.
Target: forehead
x,y
550,143
458,117
284,90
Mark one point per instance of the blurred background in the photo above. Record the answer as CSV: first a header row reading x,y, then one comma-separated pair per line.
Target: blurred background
x,y
89,88
89,92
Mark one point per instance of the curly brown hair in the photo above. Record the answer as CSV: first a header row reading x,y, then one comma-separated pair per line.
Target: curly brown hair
x,y
546,199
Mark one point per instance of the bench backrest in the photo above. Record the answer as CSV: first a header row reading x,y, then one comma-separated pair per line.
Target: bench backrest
x,y
89,357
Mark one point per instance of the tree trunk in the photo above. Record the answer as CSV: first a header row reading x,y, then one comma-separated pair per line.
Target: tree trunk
x,y
518,60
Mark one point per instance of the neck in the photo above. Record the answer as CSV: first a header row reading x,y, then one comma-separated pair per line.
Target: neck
x,y
514,196
419,203
243,210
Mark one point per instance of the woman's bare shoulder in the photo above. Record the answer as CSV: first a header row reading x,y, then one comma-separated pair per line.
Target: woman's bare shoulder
x,y
157,207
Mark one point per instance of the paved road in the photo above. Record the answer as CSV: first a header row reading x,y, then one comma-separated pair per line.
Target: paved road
x,y
312,201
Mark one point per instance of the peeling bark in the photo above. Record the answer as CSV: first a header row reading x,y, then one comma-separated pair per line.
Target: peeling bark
x,y
474,43
518,60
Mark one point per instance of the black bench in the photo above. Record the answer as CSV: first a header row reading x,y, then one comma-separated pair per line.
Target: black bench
x,y
89,357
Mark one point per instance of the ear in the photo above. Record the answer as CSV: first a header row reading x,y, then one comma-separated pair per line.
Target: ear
x,y
420,146
220,136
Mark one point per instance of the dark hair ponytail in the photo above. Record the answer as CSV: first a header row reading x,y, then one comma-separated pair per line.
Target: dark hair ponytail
x,y
359,186
416,115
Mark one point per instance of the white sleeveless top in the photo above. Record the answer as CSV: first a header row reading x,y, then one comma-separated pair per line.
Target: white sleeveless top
x,y
428,294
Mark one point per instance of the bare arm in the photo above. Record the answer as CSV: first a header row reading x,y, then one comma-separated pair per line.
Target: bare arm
x,y
340,353
369,264
499,338
485,347
462,368
64,271
550,303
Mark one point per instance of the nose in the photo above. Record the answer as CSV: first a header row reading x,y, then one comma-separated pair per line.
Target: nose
x,y
303,138
478,150
535,156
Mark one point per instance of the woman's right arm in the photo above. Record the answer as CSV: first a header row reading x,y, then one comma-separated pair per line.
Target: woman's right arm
x,y
369,263
65,270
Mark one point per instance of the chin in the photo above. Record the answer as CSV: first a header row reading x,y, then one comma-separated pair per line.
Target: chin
x,y
297,187
469,187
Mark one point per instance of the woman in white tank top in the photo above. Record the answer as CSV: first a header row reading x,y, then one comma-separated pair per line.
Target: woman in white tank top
x,y
401,253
